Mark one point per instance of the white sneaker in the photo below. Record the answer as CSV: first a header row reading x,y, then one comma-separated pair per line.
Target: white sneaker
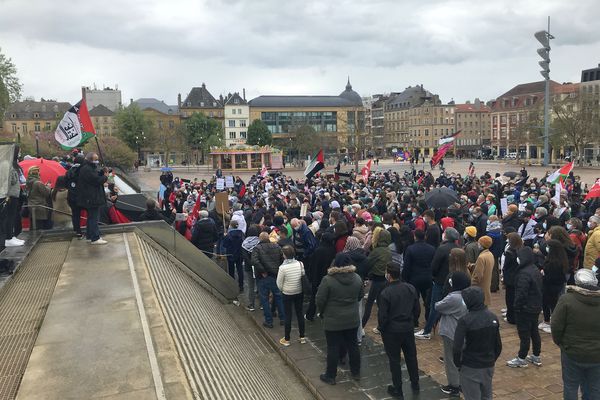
x,y
547,329
504,310
17,240
542,326
517,363
375,330
422,335
12,243
99,242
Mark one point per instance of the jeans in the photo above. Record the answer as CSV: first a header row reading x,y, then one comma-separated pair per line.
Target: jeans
x,y
436,295
527,328
361,331
251,284
576,374
92,231
451,370
234,264
393,343
337,340
476,383
294,301
509,297
76,218
377,285
549,300
265,286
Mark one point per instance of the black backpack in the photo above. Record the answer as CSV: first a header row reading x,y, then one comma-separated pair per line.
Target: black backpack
x,y
72,176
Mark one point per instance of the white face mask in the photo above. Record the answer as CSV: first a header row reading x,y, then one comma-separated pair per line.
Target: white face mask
x,y
594,269
569,226
518,260
590,224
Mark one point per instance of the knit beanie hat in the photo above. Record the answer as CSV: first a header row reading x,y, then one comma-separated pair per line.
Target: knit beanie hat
x,y
485,241
451,234
459,281
586,277
471,231
342,260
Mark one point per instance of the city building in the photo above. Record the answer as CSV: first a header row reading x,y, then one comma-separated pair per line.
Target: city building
x,y
473,122
103,120
427,123
169,144
590,91
368,102
200,100
28,117
108,97
377,126
237,119
515,120
339,121
396,117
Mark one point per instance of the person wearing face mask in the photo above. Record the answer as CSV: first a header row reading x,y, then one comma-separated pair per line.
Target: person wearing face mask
x,y
555,269
575,229
480,221
490,202
592,246
484,267
90,195
527,229
471,246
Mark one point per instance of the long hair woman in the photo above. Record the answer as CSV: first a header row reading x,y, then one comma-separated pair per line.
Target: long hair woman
x,y
509,272
556,266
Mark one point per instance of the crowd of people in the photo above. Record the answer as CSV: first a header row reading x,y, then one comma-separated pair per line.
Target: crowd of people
x,y
346,245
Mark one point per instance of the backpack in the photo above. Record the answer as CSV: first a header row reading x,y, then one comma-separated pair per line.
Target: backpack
x,y
72,176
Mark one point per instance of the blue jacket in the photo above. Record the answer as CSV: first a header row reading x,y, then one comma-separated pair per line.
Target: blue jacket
x,y
308,240
233,244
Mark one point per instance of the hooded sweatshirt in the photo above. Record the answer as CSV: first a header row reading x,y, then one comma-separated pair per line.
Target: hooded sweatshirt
x,y
477,342
380,256
528,283
239,217
452,307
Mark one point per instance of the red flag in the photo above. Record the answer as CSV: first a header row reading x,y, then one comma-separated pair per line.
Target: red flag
x,y
594,191
441,152
366,171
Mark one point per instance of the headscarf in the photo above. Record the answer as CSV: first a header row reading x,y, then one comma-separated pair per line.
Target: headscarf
x,y
352,243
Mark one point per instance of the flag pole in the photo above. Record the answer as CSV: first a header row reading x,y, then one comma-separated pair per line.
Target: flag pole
x,y
99,149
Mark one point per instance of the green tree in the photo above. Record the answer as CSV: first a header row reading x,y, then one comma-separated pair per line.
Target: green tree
x,y
202,133
10,86
114,152
305,140
259,134
131,122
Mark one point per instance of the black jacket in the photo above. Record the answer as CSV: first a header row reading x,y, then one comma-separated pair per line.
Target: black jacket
x,y
204,235
512,220
359,260
417,263
528,284
481,225
232,242
320,260
266,258
398,308
439,264
90,186
433,235
510,267
477,342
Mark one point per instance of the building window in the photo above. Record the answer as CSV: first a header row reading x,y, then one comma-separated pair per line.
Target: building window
x,y
37,127
24,128
243,135
232,123
36,115
48,126
231,135
171,124
14,128
160,124
239,110
243,123
210,114
201,104
233,111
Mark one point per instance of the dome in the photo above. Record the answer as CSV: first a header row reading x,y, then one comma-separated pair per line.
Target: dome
x,y
351,95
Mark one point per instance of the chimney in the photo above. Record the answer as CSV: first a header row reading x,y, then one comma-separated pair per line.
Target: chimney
x,y
179,100
244,94
83,93
130,101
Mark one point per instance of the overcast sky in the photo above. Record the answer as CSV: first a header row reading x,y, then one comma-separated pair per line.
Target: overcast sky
x,y
154,48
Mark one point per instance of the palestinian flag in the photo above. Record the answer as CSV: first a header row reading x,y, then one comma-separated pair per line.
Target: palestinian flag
x,y
75,128
441,152
448,139
315,165
562,172
365,172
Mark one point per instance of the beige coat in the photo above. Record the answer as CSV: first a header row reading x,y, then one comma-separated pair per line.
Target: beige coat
x,y
61,215
482,274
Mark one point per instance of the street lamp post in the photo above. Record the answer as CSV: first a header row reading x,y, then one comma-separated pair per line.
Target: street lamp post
x,y
544,38
138,140
37,144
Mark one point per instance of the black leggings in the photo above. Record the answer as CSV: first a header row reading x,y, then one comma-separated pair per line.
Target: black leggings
x,y
424,289
527,327
294,300
9,217
549,300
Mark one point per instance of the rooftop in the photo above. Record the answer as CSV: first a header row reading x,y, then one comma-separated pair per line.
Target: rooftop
x,y
200,97
155,104
101,111
348,98
26,110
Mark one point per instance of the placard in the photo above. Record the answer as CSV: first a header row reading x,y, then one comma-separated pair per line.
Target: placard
x,y
504,205
180,217
229,181
220,183
222,202
303,209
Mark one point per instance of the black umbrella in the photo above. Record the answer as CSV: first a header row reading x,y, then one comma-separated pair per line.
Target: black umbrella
x,y
441,197
511,174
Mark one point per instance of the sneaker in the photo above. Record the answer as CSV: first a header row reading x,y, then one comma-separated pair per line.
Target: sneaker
x,y
547,329
441,359
395,393
308,319
267,325
517,363
450,390
284,342
99,242
535,360
250,308
503,311
236,303
17,240
326,379
376,331
12,243
543,325
422,335
302,340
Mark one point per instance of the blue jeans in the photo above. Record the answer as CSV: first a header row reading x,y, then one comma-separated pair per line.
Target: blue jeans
x,y
92,231
265,286
436,295
576,374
